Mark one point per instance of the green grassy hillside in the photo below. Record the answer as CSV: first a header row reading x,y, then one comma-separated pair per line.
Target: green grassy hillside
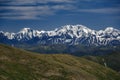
x,y
18,64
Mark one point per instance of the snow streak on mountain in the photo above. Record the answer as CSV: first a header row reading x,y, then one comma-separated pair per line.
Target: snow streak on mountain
x,y
68,34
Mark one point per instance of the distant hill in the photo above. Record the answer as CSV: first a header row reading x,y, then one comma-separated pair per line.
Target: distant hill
x,y
16,64
77,50
111,60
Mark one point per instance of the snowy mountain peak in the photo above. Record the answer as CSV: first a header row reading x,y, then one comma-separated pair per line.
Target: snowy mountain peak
x,y
1,32
78,26
78,29
109,29
25,30
9,35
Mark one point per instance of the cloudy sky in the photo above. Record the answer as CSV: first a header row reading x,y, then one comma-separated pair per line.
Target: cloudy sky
x,y
50,14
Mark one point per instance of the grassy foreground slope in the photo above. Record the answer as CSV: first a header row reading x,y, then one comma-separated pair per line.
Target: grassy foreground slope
x,y
18,64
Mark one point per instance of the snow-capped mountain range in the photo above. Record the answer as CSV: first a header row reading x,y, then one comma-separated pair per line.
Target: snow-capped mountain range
x,y
68,34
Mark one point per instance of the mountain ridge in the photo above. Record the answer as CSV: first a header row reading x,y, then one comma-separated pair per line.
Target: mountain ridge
x,y
68,34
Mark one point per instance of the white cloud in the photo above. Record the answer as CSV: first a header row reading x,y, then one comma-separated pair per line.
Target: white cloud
x,y
63,7
32,8
25,2
27,9
26,12
101,10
